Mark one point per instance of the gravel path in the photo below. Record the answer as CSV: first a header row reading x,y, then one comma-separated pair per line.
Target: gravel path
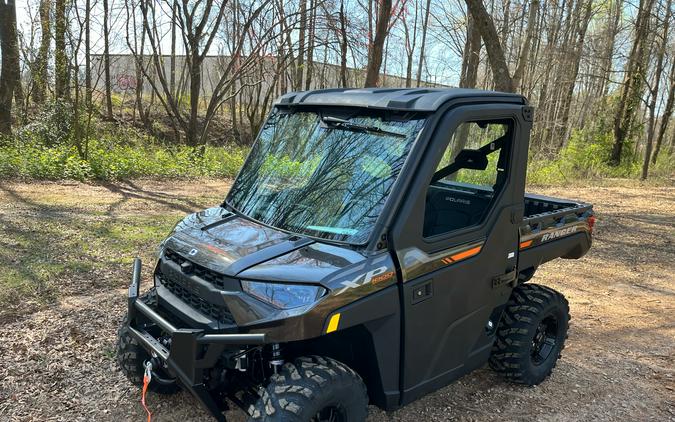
x,y
57,361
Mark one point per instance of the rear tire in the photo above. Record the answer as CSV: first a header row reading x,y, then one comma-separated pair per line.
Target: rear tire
x,y
531,334
131,357
312,389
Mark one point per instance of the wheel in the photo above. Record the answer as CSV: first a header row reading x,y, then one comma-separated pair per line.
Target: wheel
x,y
531,334
131,357
313,389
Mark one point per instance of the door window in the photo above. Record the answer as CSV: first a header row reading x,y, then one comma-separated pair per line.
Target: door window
x,y
469,176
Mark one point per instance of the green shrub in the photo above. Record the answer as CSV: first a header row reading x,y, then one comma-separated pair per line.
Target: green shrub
x,y
111,161
586,156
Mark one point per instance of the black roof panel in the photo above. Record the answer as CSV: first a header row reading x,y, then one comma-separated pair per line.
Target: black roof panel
x,y
412,99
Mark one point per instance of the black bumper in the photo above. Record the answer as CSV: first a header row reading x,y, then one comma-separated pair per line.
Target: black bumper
x,y
192,351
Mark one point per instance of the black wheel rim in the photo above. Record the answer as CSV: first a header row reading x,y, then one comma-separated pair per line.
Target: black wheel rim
x,y
545,340
330,414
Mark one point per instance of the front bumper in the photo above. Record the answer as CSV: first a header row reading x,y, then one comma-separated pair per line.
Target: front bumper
x,y
191,351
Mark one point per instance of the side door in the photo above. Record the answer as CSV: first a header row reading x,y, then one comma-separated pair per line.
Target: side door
x,y
457,243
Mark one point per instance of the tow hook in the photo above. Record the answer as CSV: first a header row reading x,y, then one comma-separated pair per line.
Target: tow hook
x,y
147,377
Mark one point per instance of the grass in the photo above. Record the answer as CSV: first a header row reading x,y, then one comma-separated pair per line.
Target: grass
x,y
75,239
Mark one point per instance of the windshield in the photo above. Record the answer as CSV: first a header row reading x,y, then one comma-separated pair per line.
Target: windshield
x,y
320,179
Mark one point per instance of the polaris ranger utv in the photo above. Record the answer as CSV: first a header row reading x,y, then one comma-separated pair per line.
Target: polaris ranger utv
x,y
374,247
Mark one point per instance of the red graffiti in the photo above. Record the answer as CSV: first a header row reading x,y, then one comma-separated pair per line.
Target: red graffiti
x,y
126,82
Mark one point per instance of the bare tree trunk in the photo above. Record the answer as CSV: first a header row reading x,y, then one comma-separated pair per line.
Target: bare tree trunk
x,y
525,50
87,53
655,92
343,45
566,94
106,61
310,45
633,82
9,74
172,60
500,70
301,46
471,55
667,113
40,77
377,49
420,65
409,41
61,71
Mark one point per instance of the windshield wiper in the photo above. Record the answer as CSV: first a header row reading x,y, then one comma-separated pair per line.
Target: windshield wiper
x,y
335,122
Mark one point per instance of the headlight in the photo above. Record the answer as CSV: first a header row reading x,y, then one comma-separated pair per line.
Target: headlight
x,y
283,296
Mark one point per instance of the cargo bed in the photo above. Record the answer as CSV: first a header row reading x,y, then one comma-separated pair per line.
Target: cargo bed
x,y
553,228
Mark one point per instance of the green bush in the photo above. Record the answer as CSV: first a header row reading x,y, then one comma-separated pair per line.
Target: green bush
x,y
586,156
111,161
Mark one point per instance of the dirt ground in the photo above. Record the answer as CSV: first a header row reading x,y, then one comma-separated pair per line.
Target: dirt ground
x,y
57,358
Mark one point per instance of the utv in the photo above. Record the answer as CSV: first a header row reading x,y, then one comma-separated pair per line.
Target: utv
x,y
374,247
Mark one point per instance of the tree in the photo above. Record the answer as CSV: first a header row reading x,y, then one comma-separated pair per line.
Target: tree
x,y
486,27
654,91
420,64
471,55
667,113
376,49
525,51
40,77
200,25
301,46
343,45
61,68
633,81
9,73
106,61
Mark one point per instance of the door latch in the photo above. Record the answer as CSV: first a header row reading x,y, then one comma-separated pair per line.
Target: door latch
x,y
422,292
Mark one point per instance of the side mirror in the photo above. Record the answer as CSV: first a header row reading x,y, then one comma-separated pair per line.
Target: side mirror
x,y
471,159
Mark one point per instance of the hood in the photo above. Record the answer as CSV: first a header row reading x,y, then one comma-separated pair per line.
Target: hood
x,y
235,246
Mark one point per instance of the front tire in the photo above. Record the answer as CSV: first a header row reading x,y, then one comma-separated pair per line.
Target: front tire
x,y
531,334
312,389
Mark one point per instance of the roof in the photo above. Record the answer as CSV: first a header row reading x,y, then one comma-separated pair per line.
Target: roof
x,y
409,99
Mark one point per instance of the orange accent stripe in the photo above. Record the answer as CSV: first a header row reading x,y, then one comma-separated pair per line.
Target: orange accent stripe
x,y
525,244
466,254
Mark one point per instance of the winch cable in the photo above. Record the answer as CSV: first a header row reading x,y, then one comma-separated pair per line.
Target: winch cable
x,y
147,377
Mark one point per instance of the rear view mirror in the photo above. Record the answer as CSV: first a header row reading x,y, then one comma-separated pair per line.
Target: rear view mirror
x,y
471,159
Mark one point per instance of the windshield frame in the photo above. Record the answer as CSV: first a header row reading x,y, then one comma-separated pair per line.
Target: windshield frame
x,y
320,110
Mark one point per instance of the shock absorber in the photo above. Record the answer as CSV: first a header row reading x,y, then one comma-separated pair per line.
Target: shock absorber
x,y
277,359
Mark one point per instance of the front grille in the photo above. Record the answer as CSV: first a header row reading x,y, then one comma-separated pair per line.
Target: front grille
x,y
218,313
210,276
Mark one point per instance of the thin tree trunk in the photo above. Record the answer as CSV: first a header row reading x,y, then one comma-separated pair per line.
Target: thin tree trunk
x,y
471,57
301,46
40,78
61,71
310,45
87,53
106,62
377,49
525,50
343,45
172,60
420,65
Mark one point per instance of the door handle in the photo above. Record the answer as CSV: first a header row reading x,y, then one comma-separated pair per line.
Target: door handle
x,y
422,292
